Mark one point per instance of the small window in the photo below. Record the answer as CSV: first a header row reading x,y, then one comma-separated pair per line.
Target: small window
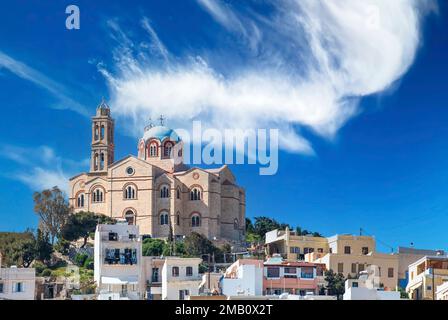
x,y
195,221
129,192
98,195
361,267
164,218
130,171
320,250
80,201
235,224
167,149
390,272
340,267
295,250
130,217
189,271
19,287
164,192
175,271
195,194
273,272
1,287
347,250
365,250
153,149
178,219
354,268
355,284
178,193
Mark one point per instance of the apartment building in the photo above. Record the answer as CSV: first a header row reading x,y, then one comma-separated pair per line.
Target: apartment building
x,y
425,276
243,277
346,254
292,246
17,283
406,257
297,278
118,262
180,278
367,287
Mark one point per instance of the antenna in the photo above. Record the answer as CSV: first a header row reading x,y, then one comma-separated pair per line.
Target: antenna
x,y
161,119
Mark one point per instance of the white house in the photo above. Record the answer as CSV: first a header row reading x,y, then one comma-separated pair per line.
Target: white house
x,y
180,278
243,277
118,262
367,287
17,283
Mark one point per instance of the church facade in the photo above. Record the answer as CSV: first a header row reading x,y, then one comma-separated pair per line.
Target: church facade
x,y
155,190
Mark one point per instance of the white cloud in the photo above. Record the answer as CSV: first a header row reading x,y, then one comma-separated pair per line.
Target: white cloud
x,y
40,167
320,58
57,90
39,179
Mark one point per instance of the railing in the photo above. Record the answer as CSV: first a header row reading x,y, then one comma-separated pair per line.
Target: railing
x,y
120,238
120,261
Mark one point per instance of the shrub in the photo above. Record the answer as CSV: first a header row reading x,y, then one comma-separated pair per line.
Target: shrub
x,y
39,266
88,264
46,273
80,259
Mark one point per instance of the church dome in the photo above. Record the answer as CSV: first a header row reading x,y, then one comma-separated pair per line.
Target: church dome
x,y
161,133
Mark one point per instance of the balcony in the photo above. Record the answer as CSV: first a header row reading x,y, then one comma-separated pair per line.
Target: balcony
x,y
122,260
113,237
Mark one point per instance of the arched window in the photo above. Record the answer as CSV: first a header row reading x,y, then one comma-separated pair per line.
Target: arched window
x,y
96,132
164,218
130,217
178,193
167,149
195,194
178,219
95,161
153,149
102,161
195,221
98,195
129,192
235,224
102,132
164,192
175,271
80,201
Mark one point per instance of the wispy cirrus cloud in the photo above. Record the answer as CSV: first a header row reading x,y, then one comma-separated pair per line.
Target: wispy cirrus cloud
x,y
315,60
40,167
57,90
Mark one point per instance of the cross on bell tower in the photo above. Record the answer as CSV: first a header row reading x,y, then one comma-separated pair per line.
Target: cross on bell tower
x,y
162,120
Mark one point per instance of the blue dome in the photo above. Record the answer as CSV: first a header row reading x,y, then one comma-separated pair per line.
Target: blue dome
x,y
161,133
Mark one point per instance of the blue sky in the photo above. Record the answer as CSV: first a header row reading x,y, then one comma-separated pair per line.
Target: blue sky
x,y
362,111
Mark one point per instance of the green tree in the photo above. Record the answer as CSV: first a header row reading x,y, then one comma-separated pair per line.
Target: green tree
x,y
196,244
79,225
263,225
53,211
154,247
17,248
43,247
335,283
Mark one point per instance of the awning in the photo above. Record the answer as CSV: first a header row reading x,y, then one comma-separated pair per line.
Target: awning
x,y
120,280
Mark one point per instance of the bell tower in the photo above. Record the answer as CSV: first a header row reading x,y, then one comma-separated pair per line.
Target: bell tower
x,y
102,148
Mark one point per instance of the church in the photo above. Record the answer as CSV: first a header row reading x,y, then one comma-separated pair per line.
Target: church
x,y
155,189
